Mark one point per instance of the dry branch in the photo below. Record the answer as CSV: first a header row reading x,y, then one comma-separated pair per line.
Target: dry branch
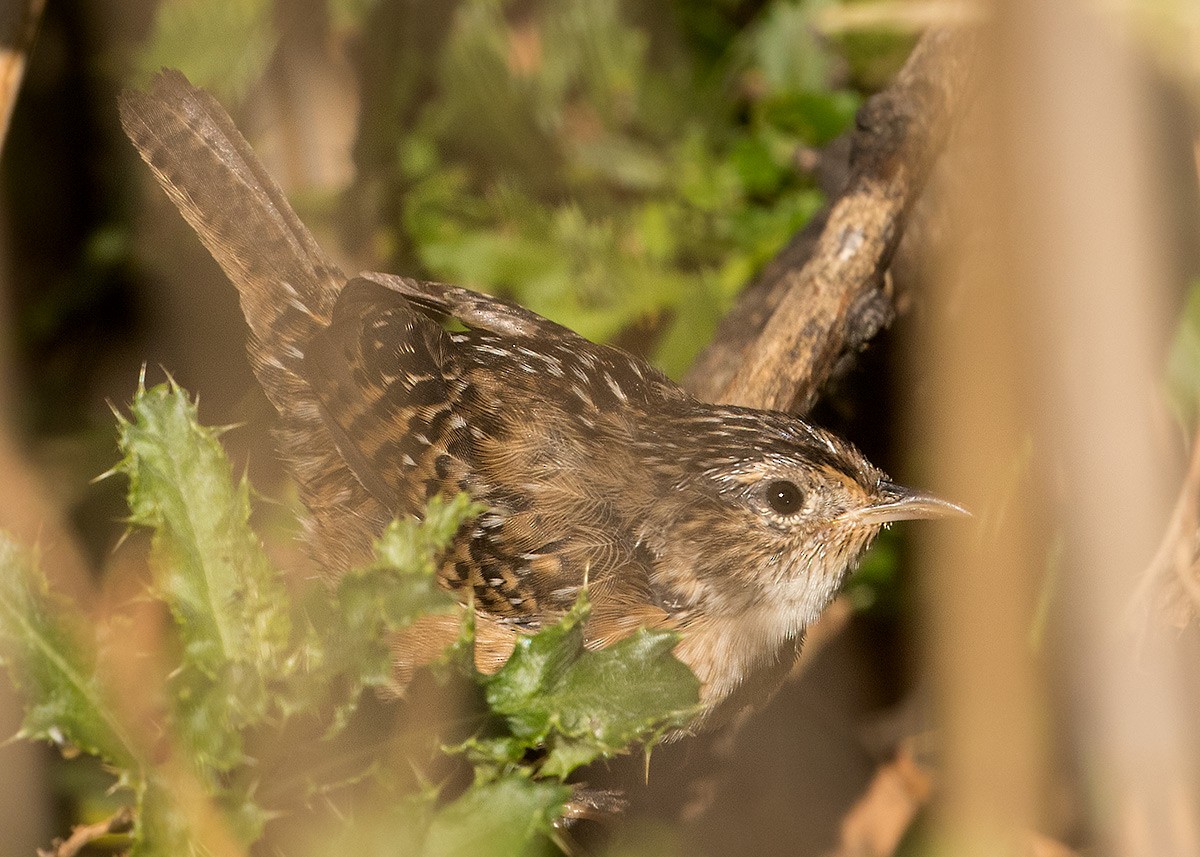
x,y
822,299
875,825
85,834
795,328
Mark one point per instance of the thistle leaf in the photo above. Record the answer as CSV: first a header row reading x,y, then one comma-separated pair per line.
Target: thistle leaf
x,y
582,704
510,816
45,649
230,607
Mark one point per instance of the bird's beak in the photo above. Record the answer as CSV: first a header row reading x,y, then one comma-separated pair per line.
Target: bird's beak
x,y
896,503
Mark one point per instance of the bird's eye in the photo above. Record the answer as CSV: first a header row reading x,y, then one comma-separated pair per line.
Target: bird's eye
x,y
784,497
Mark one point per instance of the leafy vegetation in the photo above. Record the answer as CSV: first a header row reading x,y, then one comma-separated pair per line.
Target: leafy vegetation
x,y
252,661
555,156
609,168
622,170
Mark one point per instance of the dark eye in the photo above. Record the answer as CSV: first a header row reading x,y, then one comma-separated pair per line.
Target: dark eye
x,y
784,497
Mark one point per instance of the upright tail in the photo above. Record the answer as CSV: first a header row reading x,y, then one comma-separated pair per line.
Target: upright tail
x,y
287,284
288,287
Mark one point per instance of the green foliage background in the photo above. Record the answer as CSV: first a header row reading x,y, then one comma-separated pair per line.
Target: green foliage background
x,y
609,165
622,168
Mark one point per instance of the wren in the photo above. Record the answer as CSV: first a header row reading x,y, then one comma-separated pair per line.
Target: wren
x,y
735,527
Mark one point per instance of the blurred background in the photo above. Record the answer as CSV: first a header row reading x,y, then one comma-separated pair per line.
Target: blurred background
x,y
1026,683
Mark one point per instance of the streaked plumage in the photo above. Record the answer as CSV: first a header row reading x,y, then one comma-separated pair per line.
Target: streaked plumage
x,y
733,526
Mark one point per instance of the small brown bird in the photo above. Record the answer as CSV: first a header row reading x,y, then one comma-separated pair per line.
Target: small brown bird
x,y
733,526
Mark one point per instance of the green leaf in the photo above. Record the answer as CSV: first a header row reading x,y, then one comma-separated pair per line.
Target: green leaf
x,y
534,672
630,691
510,816
44,647
585,704
227,599
814,117
493,754
786,49
756,166
211,570
230,607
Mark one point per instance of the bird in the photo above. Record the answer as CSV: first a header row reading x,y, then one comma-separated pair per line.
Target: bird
x,y
732,527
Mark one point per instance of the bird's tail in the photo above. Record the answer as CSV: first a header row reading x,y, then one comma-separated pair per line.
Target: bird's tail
x,y
287,284
288,289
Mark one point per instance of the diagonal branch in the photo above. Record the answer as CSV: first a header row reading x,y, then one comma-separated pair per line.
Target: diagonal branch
x,y
824,297
85,834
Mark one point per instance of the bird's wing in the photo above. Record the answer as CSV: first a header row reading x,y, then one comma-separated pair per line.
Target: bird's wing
x,y
387,387
415,415
476,310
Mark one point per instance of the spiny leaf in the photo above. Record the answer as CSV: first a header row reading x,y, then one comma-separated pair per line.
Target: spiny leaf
x,y
632,691
43,645
228,602
510,816
409,546
582,704
535,669
175,818
212,571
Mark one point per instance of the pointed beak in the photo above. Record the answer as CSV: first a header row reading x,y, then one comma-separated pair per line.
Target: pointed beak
x,y
897,503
